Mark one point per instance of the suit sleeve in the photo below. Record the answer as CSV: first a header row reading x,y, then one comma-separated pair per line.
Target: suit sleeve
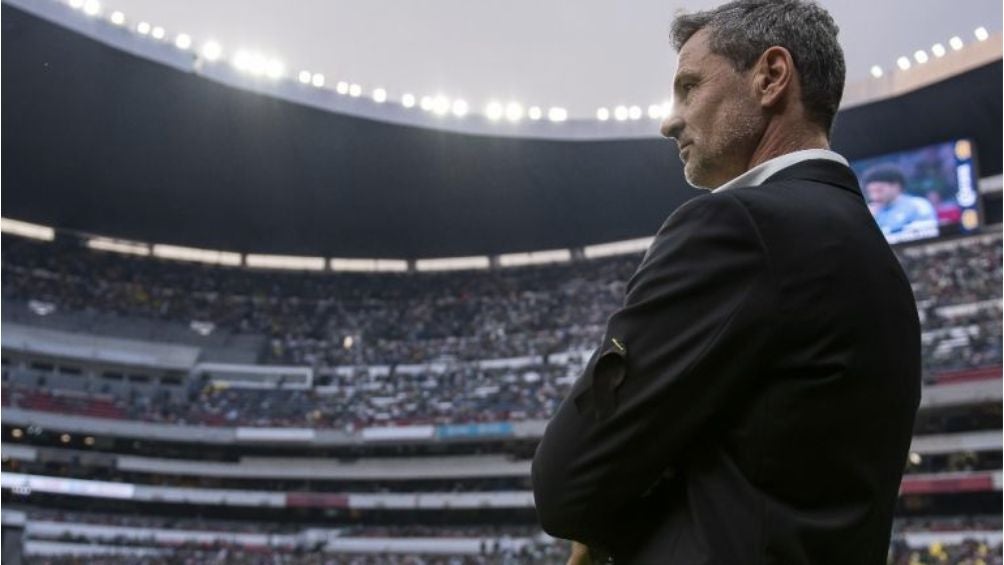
x,y
676,359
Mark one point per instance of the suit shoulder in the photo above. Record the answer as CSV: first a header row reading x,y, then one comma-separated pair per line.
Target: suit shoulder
x,y
713,204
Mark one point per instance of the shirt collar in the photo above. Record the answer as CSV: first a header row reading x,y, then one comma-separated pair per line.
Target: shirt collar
x,y
763,171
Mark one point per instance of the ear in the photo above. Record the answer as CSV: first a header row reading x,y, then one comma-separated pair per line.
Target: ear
x,y
773,76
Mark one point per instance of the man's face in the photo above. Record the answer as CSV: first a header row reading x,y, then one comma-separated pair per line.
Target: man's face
x,y
883,192
716,119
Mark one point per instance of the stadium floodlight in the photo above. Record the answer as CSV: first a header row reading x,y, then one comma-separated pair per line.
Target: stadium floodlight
x,y
494,110
304,77
242,61
408,100
920,56
535,258
368,265
117,18
441,105
287,262
956,43
211,51
602,114
938,50
65,438
118,246
877,71
915,458
76,4
514,111
534,113
453,263
25,229
317,80
143,28
355,90
557,114
621,113
342,87
655,111
426,103
93,7
274,69
209,256
981,33
617,247
379,95
183,41
634,112
903,63
459,108
158,32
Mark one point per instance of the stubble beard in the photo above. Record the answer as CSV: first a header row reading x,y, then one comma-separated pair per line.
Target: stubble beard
x,y
723,154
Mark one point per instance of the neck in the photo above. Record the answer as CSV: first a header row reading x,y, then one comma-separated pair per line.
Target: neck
x,y
782,138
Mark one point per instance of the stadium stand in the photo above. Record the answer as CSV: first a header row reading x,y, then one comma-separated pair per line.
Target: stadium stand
x,y
464,388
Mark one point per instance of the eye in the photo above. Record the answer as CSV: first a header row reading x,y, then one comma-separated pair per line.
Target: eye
x,y
685,88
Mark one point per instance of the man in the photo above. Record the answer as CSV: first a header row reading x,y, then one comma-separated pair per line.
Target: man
x,y
894,211
753,400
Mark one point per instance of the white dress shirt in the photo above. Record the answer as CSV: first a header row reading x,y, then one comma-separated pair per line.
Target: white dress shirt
x,y
763,171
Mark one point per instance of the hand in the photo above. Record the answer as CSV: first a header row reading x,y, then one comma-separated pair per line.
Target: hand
x,y
580,555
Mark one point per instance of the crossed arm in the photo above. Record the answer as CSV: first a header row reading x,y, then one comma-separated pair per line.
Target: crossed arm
x,y
679,353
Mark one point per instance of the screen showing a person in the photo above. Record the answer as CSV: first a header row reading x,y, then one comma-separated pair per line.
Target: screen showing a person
x,y
922,193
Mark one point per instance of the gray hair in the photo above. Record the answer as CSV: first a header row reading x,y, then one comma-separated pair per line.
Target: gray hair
x,y
742,30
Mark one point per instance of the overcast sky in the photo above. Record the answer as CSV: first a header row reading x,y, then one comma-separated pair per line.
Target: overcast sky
x,y
578,54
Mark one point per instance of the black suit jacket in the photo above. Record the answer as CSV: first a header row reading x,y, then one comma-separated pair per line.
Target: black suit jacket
x,y
753,400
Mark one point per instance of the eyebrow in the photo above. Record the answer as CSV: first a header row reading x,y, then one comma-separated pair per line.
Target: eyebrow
x,y
682,76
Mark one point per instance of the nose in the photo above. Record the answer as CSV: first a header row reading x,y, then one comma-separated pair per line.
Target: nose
x,y
672,125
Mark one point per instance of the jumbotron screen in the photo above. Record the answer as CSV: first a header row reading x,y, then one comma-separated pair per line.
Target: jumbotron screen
x,y
922,193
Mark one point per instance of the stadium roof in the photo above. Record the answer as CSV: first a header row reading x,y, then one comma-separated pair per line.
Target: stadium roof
x,y
103,141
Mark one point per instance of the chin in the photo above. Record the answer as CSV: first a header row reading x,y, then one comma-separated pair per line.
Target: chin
x,y
695,179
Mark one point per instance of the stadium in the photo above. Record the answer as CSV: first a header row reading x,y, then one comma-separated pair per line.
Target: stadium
x,y
258,314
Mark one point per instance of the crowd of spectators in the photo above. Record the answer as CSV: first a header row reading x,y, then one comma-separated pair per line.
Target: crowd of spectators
x,y
337,319
390,320
497,545
532,555
500,545
463,394
966,552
